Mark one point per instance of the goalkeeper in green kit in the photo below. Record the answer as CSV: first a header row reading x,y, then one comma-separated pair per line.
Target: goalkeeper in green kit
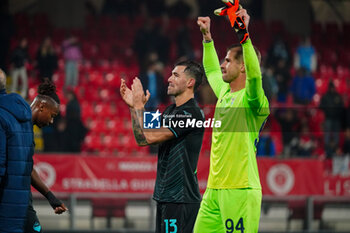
x,y
232,200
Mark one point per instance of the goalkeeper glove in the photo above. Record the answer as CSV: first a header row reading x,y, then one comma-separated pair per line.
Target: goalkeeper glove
x,y
232,6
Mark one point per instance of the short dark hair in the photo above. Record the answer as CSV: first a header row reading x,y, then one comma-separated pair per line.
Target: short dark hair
x,y
193,69
48,88
239,54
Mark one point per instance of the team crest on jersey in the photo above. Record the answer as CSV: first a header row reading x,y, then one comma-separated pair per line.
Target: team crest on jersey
x,y
232,100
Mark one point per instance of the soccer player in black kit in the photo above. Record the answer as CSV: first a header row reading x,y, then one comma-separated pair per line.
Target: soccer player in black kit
x,y
176,190
45,107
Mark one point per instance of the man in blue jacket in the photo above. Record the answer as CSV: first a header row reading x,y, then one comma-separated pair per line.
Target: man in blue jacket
x,y
16,163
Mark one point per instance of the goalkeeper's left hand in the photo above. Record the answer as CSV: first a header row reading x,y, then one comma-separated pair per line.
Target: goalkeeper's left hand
x,y
238,17
241,25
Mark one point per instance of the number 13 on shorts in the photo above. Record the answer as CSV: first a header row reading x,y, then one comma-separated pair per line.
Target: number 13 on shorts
x,y
231,227
170,226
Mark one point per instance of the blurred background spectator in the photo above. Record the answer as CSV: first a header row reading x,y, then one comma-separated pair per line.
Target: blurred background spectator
x,y
305,56
279,50
340,163
288,123
72,56
333,107
269,84
283,79
75,130
46,59
303,87
184,47
306,143
19,59
266,146
153,81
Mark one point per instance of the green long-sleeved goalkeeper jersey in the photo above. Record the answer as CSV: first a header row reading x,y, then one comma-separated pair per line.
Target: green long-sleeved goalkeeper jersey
x,y
242,115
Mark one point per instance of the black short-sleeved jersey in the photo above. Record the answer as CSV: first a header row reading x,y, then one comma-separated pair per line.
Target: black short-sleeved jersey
x,y
177,158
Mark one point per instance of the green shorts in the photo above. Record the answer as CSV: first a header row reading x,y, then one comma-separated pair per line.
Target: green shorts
x,y
229,211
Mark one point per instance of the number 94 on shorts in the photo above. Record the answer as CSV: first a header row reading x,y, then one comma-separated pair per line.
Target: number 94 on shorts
x,y
229,211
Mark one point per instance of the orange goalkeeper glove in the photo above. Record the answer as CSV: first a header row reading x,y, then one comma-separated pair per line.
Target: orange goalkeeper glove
x,y
232,6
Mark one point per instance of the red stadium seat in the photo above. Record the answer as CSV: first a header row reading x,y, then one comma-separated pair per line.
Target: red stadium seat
x,y
329,57
87,110
96,79
112,80
91,143
97,126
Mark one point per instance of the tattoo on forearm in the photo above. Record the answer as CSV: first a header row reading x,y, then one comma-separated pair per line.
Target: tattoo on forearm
x,y
136,118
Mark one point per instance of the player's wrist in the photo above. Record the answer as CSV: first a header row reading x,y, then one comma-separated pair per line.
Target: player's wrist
x,y
139,106
207,37
53,200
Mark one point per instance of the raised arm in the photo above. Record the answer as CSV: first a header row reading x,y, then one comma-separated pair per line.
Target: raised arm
x,y
254,90
211,62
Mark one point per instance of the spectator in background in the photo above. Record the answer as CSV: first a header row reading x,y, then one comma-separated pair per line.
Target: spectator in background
x,y
266,146
305,56
269,84
303,87
153,81
143,44
183,42
278,50
46,59
333,107
288,122
150,39
207,96
162,41
75,130
306,143
72,55
340,163
283,78
19,59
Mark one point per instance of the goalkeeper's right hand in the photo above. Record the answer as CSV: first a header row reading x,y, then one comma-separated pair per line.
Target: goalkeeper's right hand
x,y
204,26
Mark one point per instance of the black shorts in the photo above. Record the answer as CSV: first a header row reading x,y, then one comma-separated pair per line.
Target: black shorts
x,y
176,217
32,224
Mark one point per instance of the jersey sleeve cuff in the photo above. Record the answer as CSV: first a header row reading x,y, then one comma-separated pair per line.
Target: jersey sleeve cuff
x,y
247,43
208,44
